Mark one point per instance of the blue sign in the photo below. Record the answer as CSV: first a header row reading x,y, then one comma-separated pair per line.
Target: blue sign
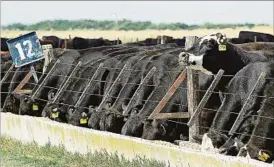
x,y
25,49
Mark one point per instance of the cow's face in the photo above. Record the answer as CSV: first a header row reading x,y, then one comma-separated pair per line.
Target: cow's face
x,y
53,111
256,153
28,106
84,117
11,104
205,52
154,130
133,126
114,122
95,117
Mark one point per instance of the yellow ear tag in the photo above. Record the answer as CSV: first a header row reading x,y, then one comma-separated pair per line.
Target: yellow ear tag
x,y
263,156
54,114
222,47
34,107
83,120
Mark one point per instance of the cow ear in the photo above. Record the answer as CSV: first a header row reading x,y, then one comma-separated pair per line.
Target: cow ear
x,y
91,109
51,95
162,130
70,111
124,107
221,39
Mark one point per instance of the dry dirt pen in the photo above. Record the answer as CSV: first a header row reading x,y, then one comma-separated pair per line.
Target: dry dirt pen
x,y
76,139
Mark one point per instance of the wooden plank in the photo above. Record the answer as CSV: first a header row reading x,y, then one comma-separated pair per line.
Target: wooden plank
x,y
84,93
171,115
26,91
192,99
66,83
7,74
206,97
168,95
45,79
136,93
100,107
240,116
22,83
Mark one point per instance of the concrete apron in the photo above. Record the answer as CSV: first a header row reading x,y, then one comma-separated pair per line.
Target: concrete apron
x,y
82,140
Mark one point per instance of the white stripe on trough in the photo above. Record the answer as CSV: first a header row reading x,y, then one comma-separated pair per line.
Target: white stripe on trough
x,y
75,139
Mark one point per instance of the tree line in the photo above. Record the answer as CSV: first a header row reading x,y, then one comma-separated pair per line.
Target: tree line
x,y
116,25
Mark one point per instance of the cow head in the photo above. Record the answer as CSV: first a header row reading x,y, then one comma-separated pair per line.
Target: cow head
x,y
133,126
256,153
231,147
29,106
213,140
113,121
208,53
95,117
154,129
78,116
11,103
56,112
71,111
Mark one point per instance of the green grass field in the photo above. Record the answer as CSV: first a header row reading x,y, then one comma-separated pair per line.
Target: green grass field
x,y
14,153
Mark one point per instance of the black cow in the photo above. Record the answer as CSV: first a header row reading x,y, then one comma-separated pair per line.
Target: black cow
x,y
57,42
111,68
4,46
213,53
135,122
261,144
237,91
260,37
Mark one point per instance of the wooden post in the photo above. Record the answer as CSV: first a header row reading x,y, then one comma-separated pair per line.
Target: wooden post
x,y
162,40
66,43
255,38
192,94
190,40
205,98
192,99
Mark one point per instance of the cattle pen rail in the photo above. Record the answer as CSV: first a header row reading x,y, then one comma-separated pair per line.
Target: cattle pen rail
x,y
190,123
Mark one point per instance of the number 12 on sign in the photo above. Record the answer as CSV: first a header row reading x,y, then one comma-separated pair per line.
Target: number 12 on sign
x,y
30,54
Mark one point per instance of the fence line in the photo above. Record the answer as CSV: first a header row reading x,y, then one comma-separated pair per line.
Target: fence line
x,y
116,81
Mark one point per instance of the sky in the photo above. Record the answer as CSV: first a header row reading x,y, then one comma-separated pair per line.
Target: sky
x,y
195,12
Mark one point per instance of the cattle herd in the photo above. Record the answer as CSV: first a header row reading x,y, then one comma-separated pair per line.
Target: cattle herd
x,y
110,86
